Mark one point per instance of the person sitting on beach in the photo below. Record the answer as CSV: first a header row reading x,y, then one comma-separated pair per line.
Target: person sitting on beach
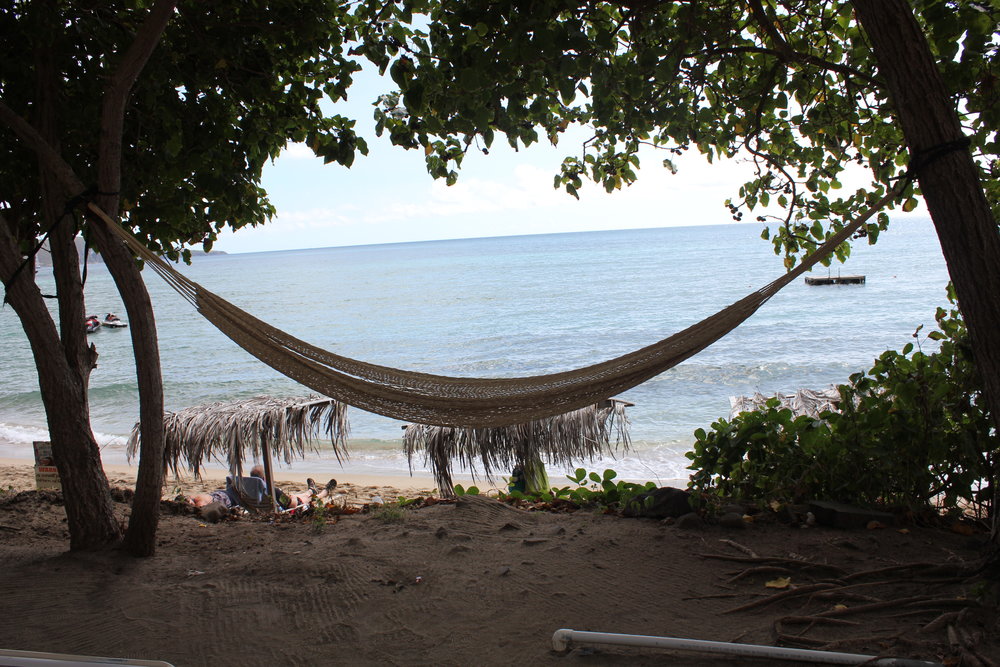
x,y
229,499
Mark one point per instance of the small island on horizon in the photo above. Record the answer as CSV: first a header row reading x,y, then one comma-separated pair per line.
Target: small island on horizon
x,y
44,258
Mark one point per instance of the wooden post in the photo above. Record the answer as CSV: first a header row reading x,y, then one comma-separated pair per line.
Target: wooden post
x,y
268,477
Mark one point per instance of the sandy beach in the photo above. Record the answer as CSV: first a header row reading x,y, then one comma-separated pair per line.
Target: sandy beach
x,y
475,581
356,488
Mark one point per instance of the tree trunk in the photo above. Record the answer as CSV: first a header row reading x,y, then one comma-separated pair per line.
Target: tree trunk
x,y
140,539
92,524
949,182
63,378
64,359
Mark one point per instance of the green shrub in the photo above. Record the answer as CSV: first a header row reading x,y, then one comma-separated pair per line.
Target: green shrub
x,y
462,491
600,491
912,429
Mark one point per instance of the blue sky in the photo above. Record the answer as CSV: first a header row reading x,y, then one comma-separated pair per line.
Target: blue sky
x,y
387,197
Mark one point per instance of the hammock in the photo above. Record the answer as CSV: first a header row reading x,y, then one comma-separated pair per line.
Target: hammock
x,y
457,401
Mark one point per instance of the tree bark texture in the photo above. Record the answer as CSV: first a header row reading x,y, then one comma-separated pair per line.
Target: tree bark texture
x,y
91,521
63,358
949,182
141,536
140,539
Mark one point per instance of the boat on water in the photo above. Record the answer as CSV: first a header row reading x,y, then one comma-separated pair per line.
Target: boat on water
x,y
835,280
112,321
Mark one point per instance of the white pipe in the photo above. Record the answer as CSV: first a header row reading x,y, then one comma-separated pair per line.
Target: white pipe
x,y
562,639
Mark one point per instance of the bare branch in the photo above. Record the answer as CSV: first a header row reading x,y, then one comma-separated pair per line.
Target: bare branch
x,y
116,96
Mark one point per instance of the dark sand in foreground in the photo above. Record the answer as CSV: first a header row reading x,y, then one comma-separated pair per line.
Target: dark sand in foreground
x,y
472,582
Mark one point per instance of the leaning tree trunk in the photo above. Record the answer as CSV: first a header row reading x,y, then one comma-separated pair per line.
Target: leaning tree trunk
x,y
64,359
140,539
91,521
949,181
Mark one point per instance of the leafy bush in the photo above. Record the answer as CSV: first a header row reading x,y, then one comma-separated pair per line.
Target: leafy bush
x,y
912,429
595,490
765,453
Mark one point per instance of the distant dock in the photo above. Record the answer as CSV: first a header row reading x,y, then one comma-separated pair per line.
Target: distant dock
x,y
836,280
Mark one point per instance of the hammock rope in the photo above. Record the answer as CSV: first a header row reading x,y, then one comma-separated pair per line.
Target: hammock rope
x,y
460,401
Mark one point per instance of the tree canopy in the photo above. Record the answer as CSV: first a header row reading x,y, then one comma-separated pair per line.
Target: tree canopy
x,y
166,113
804,88
227,86
793,85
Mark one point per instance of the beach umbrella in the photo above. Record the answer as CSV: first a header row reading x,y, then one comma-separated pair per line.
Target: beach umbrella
x,y
259,427
560,440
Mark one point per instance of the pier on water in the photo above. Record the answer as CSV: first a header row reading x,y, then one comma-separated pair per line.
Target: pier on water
x,y
835,280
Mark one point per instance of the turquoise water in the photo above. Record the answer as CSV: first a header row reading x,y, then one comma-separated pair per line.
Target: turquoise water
x,y
509,306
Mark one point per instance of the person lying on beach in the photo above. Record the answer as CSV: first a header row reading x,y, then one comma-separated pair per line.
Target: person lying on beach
x,y
228,497
290,500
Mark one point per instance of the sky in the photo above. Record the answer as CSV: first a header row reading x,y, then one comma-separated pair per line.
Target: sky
x,y
388,197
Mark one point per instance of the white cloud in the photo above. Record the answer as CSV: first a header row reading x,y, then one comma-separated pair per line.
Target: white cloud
x,y
297,152
390,198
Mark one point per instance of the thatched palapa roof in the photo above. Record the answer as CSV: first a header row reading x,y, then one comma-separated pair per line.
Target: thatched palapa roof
x,y
256,426
560,440
809,402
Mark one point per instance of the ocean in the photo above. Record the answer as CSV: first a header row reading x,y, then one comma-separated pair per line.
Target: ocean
x,y
508,306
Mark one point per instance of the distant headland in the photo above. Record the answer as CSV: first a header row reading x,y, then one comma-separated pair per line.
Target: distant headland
x,y
44,257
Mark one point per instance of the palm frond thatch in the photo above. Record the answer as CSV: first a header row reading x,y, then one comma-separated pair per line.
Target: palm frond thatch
x,y
559,440
231,431
811,402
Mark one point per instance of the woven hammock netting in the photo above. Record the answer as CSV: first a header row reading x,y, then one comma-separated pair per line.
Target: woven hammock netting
x,y
459,401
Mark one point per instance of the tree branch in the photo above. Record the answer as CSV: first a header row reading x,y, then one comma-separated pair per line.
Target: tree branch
x,y
788,54
116,96
47,156
140,537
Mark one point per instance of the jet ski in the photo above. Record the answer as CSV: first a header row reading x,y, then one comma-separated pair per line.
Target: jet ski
x,y
112,321
92,324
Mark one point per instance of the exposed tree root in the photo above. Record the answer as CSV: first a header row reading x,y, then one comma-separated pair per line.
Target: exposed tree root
x,y
918,601
783,595
809,622
716,596
929,569
739,547
922,606
787,562
763,569
944,620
